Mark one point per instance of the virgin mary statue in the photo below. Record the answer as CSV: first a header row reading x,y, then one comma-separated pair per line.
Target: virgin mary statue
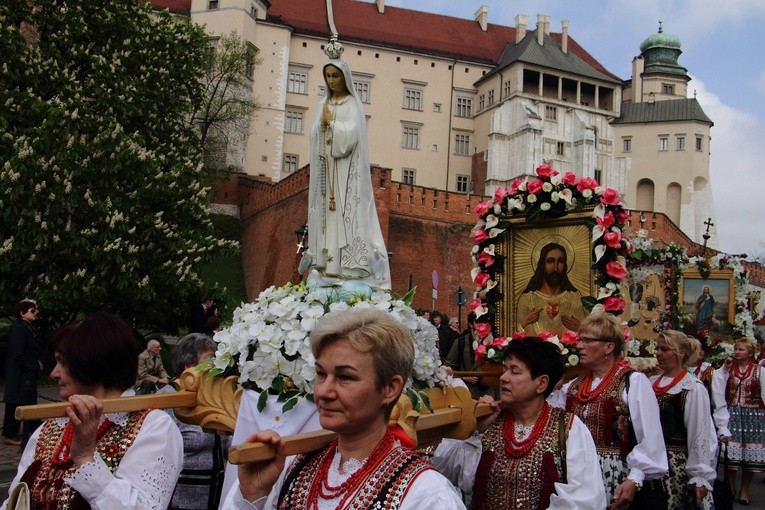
x,y
344,235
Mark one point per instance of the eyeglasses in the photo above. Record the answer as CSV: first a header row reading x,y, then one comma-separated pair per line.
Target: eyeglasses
x,y
589,340
33,310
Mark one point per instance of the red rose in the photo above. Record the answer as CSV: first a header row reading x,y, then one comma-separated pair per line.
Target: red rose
x,y
622,216
545,335
545,171
616,270
586,183
480,353
486,259
535,186
475,304
610,197
519,334
500,195
499,342
614,304
569,178
569,338
483,208
607,221
613,239
515,185
483,329
481,279
479,236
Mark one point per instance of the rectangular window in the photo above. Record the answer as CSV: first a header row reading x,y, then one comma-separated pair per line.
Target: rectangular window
x,y
560,148
412,99
249,64
667,88
481,102
411,138
698,143
297,82
663,143
290,163
408,175
253,12
437,107
491,97
599,175
462,145
293,122
212,5
463,183
680,144
464,107
508,90
362,90
551,113
627,145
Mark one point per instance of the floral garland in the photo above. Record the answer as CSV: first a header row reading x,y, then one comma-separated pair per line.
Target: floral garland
x,y
566,342
268,343
551,195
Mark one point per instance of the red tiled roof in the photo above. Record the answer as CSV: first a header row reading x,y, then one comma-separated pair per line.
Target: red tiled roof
x,y
407,29
174,6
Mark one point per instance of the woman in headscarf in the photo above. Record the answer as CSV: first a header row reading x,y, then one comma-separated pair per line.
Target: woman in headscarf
x,y
344,235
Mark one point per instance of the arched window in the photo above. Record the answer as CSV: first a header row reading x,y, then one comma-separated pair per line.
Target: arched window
x,y
674,201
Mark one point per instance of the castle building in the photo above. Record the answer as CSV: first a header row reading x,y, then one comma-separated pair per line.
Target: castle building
x,y
466,106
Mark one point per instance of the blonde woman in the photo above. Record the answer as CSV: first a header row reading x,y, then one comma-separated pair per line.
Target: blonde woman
x,y
686,422
739,399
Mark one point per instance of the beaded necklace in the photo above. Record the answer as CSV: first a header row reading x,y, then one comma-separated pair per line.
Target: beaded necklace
x,y
658,389
518,448
584,395
62,454
737,372
321,486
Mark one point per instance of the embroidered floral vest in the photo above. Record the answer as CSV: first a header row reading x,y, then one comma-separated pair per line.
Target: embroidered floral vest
x,y
671,411
45,476
601,415
385,487
505,482
744,392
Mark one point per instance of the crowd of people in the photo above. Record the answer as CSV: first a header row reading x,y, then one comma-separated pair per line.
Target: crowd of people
x,y
612,437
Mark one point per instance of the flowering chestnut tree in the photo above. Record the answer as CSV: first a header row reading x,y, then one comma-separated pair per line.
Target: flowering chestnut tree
x,y
102,199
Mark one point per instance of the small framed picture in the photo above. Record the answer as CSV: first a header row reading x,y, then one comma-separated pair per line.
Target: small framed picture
x,y
707,303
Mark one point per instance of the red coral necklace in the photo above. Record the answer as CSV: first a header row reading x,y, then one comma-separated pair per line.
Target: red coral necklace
x,y
737,371
62,454
321,486
518,448
584,395
658,389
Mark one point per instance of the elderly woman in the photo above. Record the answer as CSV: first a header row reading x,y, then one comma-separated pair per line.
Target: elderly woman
x,y
95,460
610,399
526,454
363,360
203,453
686,421
739,398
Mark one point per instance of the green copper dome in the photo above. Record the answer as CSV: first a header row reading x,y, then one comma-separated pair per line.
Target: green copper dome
x,y
660,40
660,52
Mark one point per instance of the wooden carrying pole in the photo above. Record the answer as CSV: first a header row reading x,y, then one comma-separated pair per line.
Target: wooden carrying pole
x,y
213,403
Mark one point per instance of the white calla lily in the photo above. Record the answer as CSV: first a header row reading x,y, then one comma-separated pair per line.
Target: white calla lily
x,y
491,221
599,250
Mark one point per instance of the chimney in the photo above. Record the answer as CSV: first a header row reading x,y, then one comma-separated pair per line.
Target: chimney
x,y
547,25
380,6
482,16
520,27
564,35
540,29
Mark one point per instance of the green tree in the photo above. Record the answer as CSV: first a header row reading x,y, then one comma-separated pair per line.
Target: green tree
x,y
102,200
223,116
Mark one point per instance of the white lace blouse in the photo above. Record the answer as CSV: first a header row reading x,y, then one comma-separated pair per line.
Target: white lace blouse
x,y
702,441
144,479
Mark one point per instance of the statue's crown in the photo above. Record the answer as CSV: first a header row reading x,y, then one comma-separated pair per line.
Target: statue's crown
x,y
334,49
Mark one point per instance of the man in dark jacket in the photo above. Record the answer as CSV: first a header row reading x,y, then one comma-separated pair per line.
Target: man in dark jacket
x,y
22,366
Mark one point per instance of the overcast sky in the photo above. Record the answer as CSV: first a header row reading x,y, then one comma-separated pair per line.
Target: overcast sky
x,y
723,49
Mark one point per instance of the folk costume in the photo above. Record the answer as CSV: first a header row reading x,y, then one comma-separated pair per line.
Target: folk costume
x,y
391,477
689,436
600,403
739,398
344,232
550,465
125,471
